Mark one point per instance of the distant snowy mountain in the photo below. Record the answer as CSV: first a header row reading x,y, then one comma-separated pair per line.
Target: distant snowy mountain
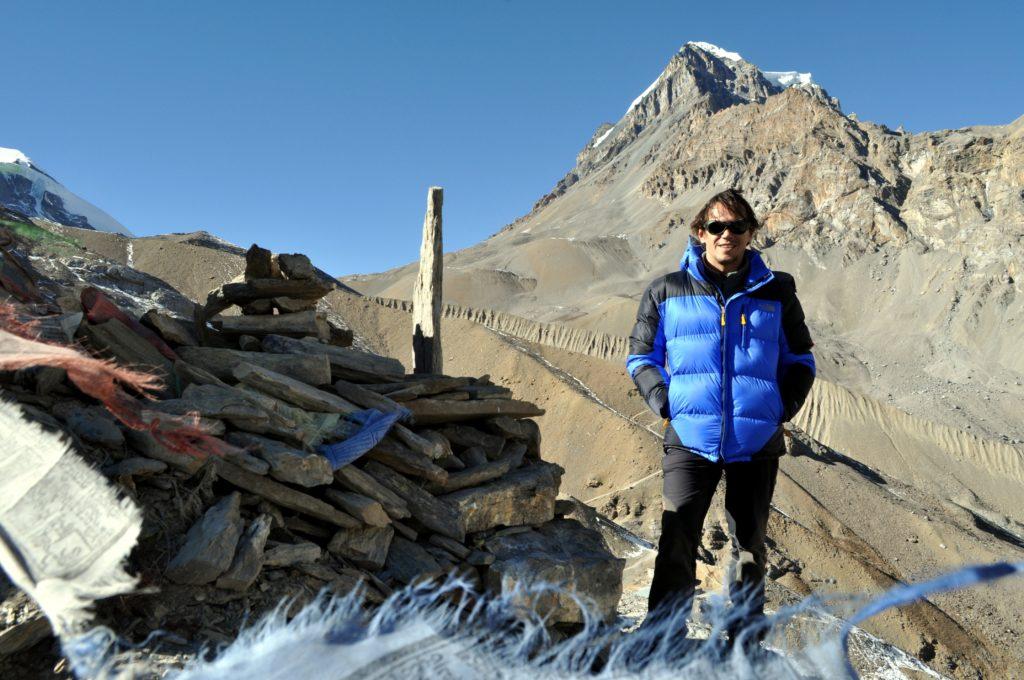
x,y
28,189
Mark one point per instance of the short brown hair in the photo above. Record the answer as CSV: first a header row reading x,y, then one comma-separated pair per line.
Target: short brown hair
x,y
732,199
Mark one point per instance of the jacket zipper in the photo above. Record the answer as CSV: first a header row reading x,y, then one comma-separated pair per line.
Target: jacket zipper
x,y
725,378
725,422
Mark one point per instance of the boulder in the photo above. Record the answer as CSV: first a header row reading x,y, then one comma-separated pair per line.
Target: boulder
x,y
524,496
562,552
258,263
296,266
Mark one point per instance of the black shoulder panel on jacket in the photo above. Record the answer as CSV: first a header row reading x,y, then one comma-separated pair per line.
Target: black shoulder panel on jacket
x,y
641,340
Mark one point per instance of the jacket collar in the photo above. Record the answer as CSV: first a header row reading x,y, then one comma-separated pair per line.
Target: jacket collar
x,y
758,275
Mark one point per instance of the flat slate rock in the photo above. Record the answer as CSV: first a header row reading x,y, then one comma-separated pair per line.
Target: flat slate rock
x,y
354,479
408,561
280,555
403,459
284,387
297,324
367,547
135,467
93,424
311,369
209,545
284,496
213,401
481,474
145,443
172,329
363,508
259,264
128,347
248,560
432,513
468,436
345,361
431,411
287,464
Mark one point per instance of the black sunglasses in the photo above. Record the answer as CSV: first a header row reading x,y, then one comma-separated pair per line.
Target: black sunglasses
x,y
716,227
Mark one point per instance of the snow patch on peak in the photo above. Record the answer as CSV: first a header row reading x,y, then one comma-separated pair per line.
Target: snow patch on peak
x,y
597,142
14,156
715,50
645,93
786,79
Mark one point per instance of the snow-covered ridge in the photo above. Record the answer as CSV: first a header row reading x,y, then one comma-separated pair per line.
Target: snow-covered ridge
x,y
644,93
603,137
715,50
26,188
14,156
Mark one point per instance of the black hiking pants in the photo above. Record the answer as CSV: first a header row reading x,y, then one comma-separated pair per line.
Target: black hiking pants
x,y
690,481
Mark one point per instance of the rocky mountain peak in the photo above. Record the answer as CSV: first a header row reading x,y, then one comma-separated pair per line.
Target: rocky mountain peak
x,y
699,80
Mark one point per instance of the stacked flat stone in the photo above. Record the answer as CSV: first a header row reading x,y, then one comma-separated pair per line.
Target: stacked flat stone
x,y
460,488
277,294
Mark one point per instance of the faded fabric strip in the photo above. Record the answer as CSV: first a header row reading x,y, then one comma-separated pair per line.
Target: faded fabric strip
x,y
104,381
375,425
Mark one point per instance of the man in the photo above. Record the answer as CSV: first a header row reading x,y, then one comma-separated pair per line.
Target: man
x,y
720,349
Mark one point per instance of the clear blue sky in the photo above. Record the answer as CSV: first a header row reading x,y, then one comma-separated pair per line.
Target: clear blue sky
x,y
317,127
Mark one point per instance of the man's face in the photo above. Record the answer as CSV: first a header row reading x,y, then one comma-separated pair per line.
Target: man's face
x,y
724,251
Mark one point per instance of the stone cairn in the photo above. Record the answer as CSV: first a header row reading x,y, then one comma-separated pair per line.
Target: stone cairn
x,y
459,489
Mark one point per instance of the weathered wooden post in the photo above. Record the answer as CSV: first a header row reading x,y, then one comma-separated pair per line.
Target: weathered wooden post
x,y
426,296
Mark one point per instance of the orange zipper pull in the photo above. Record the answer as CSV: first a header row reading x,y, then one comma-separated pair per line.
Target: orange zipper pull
x,y
743,319
723,316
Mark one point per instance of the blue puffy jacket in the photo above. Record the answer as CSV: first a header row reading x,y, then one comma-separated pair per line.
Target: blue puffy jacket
x,y
735,369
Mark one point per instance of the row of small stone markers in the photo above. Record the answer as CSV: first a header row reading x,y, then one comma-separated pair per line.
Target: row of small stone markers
x,y
458,488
